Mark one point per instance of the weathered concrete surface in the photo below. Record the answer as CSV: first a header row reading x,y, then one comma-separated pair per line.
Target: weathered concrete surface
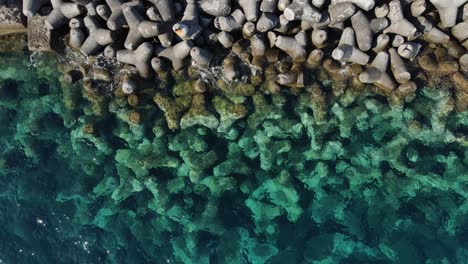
x,y
11,17
12,29
39,37
13,42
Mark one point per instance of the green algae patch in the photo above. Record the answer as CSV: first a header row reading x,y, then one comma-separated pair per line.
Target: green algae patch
x,y
236,89
197,114
172,108
228,111
183,88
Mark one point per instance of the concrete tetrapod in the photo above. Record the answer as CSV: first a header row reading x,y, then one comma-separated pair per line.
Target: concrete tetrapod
x,y
165,9
188,28
398,23
448,11
177,53
77,36
139,28
140,58
302,10
116,19
98,37
376,73
250,8
269,6
230,23
30,7
363,4
292,47
431,33
347,50
364,34
61,12
398,67
216,8
201,57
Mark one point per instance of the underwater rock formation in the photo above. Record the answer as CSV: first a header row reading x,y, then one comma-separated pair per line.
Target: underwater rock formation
x,y
299,176
240,131
351,32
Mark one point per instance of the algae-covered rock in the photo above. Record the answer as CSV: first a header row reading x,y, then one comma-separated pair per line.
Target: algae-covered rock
x,y
175,185
190,87
184,88
270,150
198,162
189,139
106,187
195,152
234,163
145,157
271,200
461,91
173,108
261,252
318,104
98,102
128,184
283,128
229,112
71,95
197,114
186,250
81,135
263,110
128,125
218,185
237,88
308,178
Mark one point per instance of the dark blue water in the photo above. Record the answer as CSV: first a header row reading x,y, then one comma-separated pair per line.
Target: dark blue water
x,y
370,184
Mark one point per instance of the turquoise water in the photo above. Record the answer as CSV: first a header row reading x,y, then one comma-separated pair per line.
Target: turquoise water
x,y
290,183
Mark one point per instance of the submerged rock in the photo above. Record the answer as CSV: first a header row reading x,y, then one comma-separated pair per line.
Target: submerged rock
x,y
227,165
197,114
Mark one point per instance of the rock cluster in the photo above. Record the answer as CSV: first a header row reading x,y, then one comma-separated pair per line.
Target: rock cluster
x,y
297,27
393,47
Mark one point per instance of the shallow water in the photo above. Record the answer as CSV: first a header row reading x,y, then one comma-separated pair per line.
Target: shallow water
x,y
370,184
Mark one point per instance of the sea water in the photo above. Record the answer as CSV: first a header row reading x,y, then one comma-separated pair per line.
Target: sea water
x,y
368,184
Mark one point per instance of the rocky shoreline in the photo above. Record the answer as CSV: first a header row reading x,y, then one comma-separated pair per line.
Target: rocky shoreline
x,y
268,151
331,49
290,182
